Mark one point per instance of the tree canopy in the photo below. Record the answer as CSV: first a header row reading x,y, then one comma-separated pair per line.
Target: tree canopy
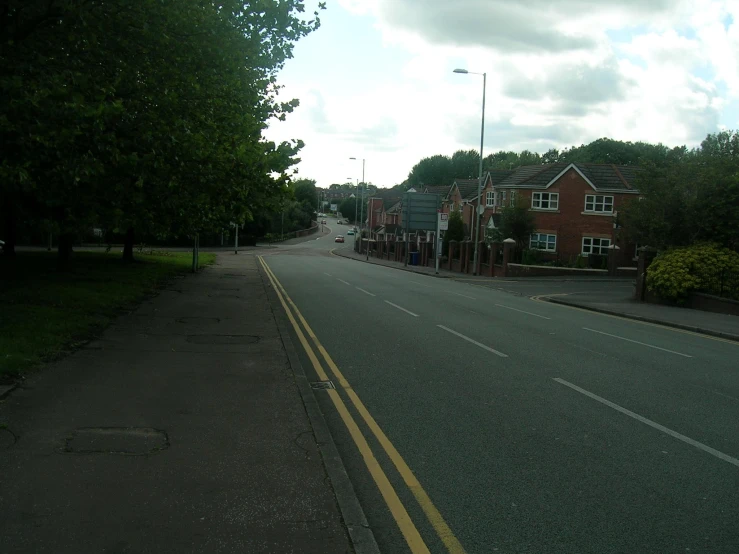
x,y
142,115
692,198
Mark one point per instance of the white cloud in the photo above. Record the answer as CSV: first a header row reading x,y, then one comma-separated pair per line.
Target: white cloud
x,y
559,74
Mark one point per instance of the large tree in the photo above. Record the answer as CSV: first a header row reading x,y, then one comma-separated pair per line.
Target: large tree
x,y
689,197
144,114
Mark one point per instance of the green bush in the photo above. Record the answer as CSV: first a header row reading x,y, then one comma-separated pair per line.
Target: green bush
x,y
530,257
675,273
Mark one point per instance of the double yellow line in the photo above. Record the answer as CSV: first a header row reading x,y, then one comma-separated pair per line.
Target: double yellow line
x,y
398,511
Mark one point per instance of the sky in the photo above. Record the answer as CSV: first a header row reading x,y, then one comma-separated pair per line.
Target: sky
x,y
376,81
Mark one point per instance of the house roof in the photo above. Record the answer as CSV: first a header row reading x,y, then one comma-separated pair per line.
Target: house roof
x,y
498,175
605,177
467,187
394,206
443,190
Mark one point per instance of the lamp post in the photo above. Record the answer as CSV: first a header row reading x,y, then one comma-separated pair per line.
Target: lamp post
x,y
361,213
479,184
361,210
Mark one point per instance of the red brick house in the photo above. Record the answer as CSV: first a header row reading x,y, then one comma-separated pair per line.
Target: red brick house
x,y
575,206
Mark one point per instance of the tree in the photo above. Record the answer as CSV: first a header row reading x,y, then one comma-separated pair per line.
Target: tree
x,y
465,165
436,170
689,197
454,232
348,208
305,191
145,115
517,222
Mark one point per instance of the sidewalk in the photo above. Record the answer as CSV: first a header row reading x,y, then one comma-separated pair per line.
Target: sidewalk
x,y
188,426
709,323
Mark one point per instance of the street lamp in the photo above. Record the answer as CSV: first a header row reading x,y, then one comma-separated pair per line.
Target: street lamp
x,y
479,184
361,213
361,210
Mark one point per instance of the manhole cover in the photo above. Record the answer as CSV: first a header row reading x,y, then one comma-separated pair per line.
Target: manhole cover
x,y
134,441
322,385
222,339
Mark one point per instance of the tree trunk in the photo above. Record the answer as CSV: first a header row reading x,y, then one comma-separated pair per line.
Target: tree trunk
x,y
128,245
64,251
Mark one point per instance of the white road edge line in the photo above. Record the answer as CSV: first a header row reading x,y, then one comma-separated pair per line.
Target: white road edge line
x,y
327,274
365,291
674,434
463,295
342,280
401,308
468,339
522,311
637,342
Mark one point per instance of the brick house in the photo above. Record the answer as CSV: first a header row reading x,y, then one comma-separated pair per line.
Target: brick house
x,y
575,205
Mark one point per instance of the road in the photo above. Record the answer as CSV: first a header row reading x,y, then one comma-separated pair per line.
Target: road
x,y
495,423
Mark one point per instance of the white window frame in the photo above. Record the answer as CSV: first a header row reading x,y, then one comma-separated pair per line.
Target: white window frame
x,y
546,241
548,201
599,204
489,199
451,207
599,249
512,201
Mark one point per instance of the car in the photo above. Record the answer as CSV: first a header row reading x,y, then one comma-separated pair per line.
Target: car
x,y
339,238
323,222
2,245
350,232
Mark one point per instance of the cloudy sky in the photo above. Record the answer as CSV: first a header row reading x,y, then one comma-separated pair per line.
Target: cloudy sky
x,y
376,82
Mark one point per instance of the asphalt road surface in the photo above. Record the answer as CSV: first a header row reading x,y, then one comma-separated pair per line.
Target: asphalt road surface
x,y
475,420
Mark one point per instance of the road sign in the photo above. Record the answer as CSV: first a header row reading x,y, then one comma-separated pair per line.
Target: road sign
x,y
443,222
419,211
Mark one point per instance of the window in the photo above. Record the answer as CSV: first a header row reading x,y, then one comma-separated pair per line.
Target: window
x,y
513,198
541,241
451,207
500,198
598,204
545,200
490,198
592,245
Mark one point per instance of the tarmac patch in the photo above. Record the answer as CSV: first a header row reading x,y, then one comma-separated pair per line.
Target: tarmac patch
x,y
131,441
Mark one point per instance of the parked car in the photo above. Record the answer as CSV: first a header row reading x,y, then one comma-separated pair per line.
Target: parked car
x,y
350,232
339,238
2,245
323,221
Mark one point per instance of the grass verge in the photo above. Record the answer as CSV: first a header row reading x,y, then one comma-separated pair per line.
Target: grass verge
x,y
45,313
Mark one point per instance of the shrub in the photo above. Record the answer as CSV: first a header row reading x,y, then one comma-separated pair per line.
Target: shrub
x,y
675,273
530,257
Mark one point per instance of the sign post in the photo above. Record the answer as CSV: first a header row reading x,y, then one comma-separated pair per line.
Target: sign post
x,y
442,224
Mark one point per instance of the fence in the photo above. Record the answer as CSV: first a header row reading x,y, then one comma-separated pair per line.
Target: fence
x,y
725,285
277,237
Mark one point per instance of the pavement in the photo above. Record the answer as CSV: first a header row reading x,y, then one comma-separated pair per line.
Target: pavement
x,y
613,296
509,424
188,426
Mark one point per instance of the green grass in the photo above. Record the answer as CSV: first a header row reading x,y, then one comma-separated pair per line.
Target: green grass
x,y
44,312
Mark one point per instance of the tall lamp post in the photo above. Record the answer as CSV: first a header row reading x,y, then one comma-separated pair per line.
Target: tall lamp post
x,y
361,213
479,184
